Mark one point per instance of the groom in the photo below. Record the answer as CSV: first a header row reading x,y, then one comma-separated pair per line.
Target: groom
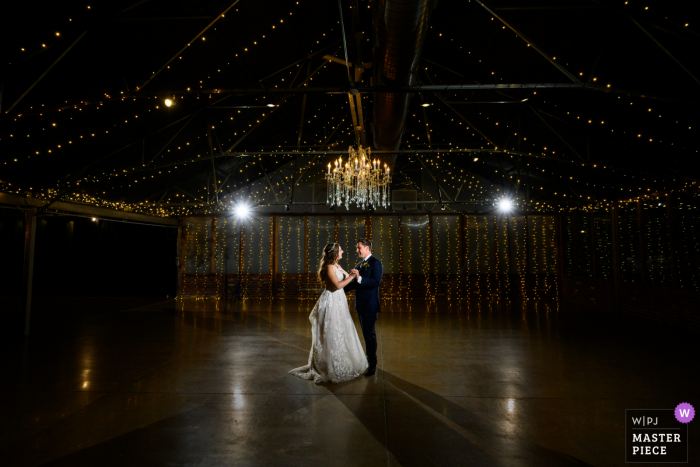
x,y
367,298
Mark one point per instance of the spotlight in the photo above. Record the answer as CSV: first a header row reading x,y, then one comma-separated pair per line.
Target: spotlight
x,y
425,104
271,105
242,210
504,204
94,219
476,159
168,102
442,206
286,207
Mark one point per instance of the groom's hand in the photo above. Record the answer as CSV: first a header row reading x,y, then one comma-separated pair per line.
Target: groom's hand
x,y
354,272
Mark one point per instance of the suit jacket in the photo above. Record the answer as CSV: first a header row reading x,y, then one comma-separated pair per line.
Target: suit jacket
x,y
367,292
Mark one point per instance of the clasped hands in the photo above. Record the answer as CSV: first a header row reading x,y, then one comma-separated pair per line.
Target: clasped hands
x,y
354,273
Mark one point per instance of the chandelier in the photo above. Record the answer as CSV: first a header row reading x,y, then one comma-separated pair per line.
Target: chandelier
x,y
358,180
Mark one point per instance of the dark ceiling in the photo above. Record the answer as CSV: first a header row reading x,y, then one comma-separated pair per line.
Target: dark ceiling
x,y
84,118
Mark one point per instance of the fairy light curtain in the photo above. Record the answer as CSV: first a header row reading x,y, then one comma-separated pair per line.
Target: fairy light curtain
x,y
602,232
542,251
350,229
446,245
502,247
630,254
578,244
479,244
686,226
492,244
321,233
256,245
516,245
290,246
227,238
197,246
385,242
414,233
656,247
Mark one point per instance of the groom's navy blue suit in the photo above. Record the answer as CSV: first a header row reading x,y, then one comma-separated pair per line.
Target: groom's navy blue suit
x,y
367,303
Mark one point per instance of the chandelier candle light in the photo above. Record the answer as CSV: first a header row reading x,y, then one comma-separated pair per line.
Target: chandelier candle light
x,y
359,180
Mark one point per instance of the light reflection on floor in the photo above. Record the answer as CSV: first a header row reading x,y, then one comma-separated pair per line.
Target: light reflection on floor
x,y
204,382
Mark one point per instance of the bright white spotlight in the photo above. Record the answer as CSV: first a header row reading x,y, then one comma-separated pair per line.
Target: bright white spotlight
x,y
504,204
168,102
242,210
271,104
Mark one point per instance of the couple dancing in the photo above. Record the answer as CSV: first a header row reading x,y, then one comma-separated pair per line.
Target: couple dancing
x,y
336,352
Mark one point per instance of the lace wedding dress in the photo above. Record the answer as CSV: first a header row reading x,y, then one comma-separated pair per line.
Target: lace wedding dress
x,y
336,352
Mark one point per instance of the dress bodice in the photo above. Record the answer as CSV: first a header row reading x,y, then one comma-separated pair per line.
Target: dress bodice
x,y
340,276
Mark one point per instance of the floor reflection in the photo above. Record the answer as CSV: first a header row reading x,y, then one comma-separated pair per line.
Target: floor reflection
x,y
205,383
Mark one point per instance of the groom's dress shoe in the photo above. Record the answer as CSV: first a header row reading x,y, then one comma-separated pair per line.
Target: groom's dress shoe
x,y
371,371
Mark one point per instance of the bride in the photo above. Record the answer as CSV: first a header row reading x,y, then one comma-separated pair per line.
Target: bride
x,y
336,352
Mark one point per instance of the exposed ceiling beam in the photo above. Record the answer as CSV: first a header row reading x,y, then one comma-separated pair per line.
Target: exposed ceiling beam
x,y
413,88
665,50
163,18
539,50
556,7
23,202
139,88
45,72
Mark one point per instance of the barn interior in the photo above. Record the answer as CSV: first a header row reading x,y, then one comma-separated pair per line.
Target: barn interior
x,y
171,171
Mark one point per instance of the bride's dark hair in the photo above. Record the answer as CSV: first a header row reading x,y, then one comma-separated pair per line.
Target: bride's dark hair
x,y
330,256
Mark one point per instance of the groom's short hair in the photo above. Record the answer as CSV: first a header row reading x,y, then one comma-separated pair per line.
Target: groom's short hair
x,y
366,242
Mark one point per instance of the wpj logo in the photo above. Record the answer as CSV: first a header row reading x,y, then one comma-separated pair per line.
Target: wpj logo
x,y
685,412
655,435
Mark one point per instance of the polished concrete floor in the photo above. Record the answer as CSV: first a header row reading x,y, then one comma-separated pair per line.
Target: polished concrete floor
x,y
129,382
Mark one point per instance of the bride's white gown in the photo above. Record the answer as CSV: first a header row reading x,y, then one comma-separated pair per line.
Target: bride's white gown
x,y
336,352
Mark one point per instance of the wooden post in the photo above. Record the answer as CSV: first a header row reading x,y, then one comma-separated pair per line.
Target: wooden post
x,y
671,243
274,235
306,244
593,249
642,253
400,244
574,222
183,258
559,245
28,267
526,235
463,265
178,258
495,246
212,247
616,254
431,245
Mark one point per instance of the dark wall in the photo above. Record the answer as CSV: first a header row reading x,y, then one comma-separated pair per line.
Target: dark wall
x,y
77,257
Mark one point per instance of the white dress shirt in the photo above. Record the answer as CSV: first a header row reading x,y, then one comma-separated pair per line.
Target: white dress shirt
x,y
359,278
